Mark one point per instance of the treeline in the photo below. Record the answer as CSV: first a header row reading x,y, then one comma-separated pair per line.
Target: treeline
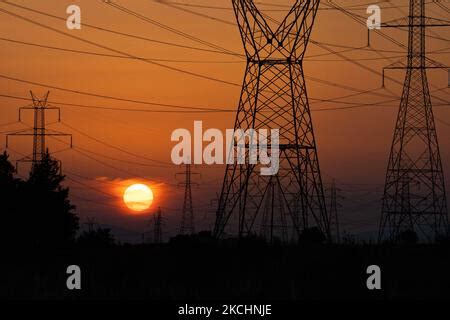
x,y
36,212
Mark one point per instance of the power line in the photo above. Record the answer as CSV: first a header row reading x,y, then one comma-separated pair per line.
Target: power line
x,y
110,196
137,58
113,146
170,29
84,106
363,66
119,51
84,52
116,56
188,72
107,97
356,7
389,38
133,36
203,110
83,151
198,14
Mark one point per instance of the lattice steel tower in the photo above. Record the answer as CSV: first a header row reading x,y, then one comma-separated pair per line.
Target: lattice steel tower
x,y
414,195
334,212
39,131
187,215
274,97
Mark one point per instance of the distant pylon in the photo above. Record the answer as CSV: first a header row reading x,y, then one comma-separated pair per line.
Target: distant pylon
x,y
91,224
39,132
334,213
414,194
187,215
274,226
157,227
274,97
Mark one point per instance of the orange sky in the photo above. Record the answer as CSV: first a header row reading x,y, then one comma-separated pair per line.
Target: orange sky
x,y
353,144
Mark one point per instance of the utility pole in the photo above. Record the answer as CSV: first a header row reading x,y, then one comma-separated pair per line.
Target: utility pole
x,y
39,131
414,194
274,97
187,215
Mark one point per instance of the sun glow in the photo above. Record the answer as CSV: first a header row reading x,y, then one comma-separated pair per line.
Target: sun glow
x,y
138,197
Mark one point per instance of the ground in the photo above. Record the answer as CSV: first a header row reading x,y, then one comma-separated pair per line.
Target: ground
x,y
227,271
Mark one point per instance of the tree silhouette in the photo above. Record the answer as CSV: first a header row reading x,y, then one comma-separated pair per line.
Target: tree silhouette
x,y
48,215
407,237
6,169
8,198
312,236
98,238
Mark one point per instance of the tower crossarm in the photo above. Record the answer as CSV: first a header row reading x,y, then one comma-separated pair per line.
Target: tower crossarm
x,y
288,41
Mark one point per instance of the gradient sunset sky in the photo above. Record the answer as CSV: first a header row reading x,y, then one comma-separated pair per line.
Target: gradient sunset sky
x,y
114,148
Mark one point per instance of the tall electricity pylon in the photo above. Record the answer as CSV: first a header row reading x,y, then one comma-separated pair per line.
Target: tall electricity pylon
x,y
414,195
334,212
274,97
39,132
187,215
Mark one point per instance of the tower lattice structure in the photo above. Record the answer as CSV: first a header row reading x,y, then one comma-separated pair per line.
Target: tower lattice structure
x,y
334,206
414,194
187,215
39,132
274,97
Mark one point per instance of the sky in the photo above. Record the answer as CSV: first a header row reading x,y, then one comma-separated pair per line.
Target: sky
x,y
115,148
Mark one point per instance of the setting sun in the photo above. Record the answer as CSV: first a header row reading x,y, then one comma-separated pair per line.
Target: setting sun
x,y
138,197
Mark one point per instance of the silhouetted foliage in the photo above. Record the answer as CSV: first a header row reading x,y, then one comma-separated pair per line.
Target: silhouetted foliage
x,y
8,198
348,239
98,238
37,211
200,238
407,237
49,207
443,239
6,169
312,236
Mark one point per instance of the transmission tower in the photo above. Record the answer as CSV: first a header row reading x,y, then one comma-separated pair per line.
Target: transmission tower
x,y
187,215
39,132
334,212
414,195
92,224
157,227
274,97
274,223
